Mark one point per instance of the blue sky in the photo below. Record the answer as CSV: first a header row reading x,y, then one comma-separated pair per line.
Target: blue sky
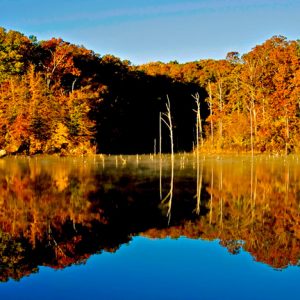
x,y
152,30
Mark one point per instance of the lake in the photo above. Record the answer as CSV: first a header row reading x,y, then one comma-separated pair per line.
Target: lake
x,y
140,227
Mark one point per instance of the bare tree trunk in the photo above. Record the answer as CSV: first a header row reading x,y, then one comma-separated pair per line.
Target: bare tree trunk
x,y
199,132
73,84
199,185
220,110
160,159
221,197
254,119
198,137
168,122
211,194
211,113
249,107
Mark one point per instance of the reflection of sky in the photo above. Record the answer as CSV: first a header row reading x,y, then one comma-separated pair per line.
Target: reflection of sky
x,y
143,30
160,269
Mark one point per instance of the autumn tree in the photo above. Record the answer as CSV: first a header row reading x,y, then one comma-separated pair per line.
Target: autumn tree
x,y
15,53
58,61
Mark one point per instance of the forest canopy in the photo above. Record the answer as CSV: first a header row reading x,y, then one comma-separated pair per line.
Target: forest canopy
x,y
56,97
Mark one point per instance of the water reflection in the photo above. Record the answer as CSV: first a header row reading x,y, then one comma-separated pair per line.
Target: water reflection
x,y
58,211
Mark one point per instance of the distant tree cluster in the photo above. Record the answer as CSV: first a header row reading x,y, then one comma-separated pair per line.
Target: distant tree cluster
x,y
56,97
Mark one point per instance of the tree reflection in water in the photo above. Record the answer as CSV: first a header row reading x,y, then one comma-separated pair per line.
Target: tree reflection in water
x,y
58,211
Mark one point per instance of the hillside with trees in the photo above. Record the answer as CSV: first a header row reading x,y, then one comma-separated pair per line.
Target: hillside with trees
x,y
56,97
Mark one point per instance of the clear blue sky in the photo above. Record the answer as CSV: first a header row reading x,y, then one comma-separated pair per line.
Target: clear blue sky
x,y
152,30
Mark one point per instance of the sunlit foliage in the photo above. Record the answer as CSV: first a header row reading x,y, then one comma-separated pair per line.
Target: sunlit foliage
x,y
56,97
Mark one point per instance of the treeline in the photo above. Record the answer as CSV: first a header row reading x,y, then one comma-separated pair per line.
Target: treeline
x,y
56,97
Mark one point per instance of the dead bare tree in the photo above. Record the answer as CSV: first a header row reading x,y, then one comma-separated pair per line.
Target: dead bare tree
x,y
167,119
199,132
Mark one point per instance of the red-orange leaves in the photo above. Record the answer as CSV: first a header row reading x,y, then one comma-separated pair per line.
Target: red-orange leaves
x,y
59,60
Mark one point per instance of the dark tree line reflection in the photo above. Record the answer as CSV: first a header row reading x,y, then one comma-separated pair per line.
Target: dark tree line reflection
x,y
57,212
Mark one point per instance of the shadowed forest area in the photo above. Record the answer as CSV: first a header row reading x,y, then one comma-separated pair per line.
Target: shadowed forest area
x,y
56,97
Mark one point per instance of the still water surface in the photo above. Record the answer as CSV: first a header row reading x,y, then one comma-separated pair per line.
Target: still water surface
x,y
136,227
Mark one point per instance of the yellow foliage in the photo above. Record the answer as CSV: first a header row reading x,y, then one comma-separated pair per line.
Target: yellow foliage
x,y
60,136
